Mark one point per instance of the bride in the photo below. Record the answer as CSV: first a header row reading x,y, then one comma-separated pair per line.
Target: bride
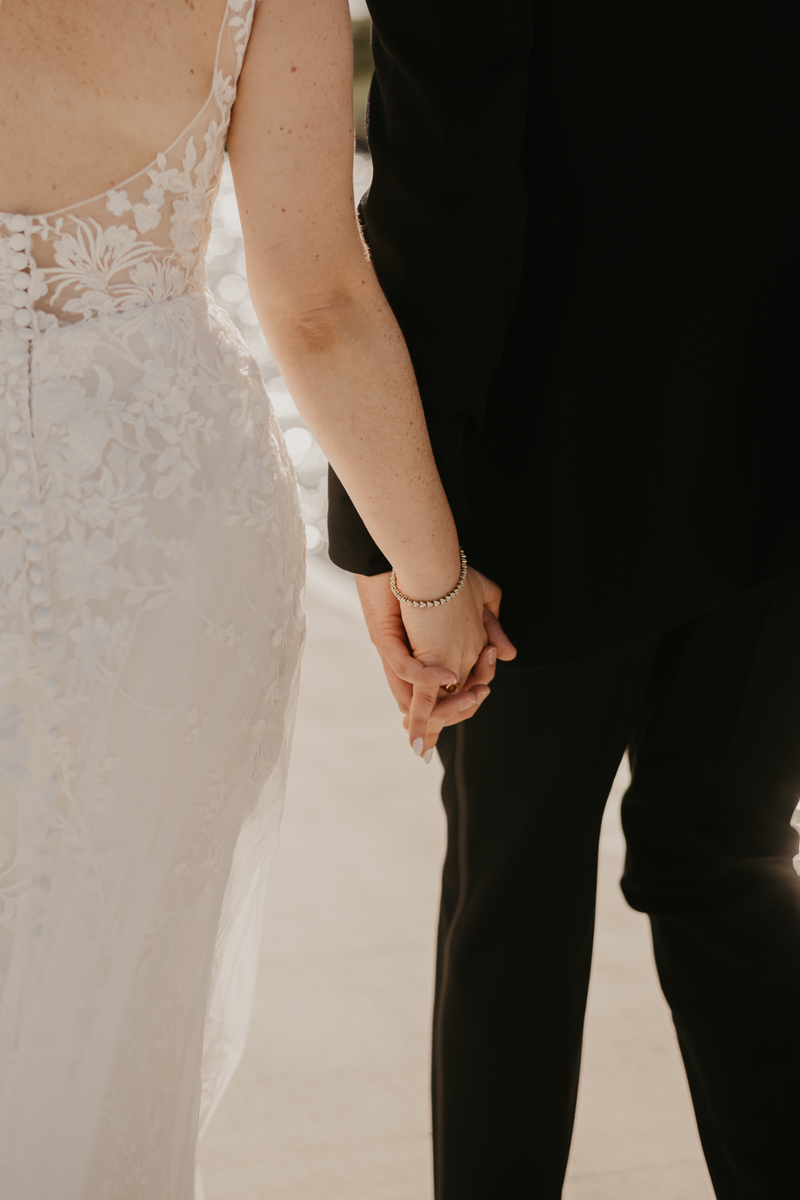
x,y
151,552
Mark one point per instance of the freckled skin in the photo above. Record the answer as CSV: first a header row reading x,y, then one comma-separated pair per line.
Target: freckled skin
x,y
91,90
115,91
325,317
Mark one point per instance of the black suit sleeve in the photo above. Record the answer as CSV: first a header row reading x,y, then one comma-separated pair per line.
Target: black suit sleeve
x,y
445,217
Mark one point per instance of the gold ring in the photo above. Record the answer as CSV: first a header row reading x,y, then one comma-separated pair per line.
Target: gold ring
x,y
450,687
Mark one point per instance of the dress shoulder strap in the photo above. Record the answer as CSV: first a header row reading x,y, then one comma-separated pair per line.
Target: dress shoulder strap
x,y
239,21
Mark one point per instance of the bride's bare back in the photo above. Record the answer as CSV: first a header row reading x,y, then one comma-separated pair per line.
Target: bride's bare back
x,y
93,89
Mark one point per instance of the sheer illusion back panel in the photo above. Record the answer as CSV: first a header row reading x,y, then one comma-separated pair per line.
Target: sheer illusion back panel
x,y
143,239
151,625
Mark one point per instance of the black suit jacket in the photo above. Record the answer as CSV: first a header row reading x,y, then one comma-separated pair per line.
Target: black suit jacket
x,y
586,217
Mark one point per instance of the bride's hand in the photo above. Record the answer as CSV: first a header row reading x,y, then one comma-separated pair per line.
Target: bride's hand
x,y
451,636
411,681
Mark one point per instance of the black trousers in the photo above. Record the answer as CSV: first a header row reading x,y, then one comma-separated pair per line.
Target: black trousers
x,y
710,713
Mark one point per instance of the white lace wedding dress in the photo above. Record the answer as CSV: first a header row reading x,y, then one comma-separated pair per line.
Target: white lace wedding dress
x,y
151,569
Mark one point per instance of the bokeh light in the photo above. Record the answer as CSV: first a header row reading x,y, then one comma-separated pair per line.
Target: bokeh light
x,y
232,288
298,443
227,277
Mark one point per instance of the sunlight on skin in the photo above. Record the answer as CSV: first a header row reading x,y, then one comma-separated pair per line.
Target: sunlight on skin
x,y
227,278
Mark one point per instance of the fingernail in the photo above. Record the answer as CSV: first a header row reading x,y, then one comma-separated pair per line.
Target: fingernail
x,y
491,655
482,696
467,702
417,745
428,755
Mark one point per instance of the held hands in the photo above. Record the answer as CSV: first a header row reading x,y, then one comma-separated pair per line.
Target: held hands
x,y
424,649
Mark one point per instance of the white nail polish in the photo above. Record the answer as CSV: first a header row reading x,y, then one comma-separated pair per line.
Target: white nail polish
x,y
428,755
417,745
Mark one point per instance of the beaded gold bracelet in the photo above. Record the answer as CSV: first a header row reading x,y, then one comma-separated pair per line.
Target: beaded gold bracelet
x,y
432,603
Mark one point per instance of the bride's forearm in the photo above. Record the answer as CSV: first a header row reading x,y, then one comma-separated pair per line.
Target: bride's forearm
x,y
315,292
349,373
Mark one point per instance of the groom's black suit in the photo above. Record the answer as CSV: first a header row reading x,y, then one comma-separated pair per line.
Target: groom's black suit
x,y
586,217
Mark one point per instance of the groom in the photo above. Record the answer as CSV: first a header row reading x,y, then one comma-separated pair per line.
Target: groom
x,y
586,218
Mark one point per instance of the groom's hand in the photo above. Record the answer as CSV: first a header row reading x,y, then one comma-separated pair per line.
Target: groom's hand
x,y
405,674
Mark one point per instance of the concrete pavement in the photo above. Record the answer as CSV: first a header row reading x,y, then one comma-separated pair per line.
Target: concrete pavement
x,y
330,1102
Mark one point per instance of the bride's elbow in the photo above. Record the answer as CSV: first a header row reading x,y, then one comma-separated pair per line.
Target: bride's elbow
x,y
318,327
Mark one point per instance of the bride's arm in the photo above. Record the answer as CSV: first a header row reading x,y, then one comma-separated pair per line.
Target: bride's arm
x,y
325,316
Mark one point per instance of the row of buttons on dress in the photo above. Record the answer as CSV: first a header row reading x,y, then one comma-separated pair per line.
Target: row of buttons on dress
x,y
19,436
19,243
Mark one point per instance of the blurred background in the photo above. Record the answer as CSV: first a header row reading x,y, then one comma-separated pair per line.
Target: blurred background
x,y
227,273
362,67
331,1099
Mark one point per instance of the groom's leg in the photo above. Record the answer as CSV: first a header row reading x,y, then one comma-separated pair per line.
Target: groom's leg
x,y
525,784
716,775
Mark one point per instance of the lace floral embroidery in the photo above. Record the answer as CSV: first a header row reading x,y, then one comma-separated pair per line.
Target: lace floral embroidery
x,y
151,563
88,268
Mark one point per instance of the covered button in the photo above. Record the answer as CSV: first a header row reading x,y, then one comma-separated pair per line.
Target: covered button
x,y
18,242
18,223
20,441
22,316
19,261
19,299
22,280
34,552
